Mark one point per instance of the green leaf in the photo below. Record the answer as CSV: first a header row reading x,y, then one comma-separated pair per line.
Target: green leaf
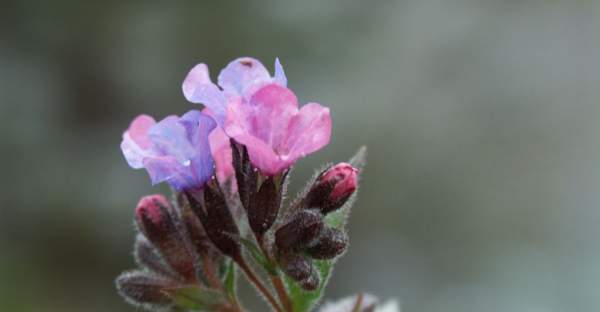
x,y
359,159
196,298
258,256
230,280
302,300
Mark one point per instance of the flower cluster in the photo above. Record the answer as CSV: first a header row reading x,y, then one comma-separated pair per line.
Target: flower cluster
x,y
228,165
248,105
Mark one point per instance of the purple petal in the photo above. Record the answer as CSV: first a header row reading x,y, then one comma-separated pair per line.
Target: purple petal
x,y
198,88
242,75
170,138
279,77
197,125
308,131
202,163
168,169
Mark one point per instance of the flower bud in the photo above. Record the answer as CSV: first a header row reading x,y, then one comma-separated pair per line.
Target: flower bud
x,y
296,266
300,231
156,218
245,174
216,218
312,282
332,188
147,257
330,244
264,207
143,288
195,231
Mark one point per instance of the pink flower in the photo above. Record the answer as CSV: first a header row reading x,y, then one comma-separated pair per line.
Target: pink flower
x,y
274,130
174,150
239,79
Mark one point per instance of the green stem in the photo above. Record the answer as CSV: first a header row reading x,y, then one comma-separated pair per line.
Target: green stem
x,y
259,285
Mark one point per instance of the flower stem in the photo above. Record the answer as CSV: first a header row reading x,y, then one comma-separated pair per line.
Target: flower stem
x,y
276,279
281,292
358,304
215,282
209,271
259,285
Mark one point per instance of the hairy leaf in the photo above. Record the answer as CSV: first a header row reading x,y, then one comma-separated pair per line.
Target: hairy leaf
x,y
196,298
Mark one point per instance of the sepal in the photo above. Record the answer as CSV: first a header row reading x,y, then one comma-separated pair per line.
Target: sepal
x,y
331,243
300,231
145,289
213,212
264,206
148,258
158,221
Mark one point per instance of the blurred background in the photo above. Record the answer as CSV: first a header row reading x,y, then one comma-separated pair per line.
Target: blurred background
x,y
481,191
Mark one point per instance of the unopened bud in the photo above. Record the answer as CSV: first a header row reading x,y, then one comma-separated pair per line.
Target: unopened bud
x,y
296,266
312,282
143,288
216,218
330,244
300,231
156,218
264,207
332,188
245,175
147,257
195,231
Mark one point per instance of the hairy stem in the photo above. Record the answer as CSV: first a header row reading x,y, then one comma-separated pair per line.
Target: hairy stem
x,y
259,285
282,293
276,279
209,271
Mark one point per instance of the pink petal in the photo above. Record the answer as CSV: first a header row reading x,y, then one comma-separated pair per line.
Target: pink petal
x,y
138,130
308,132
136,145
273,106
221,151
261,155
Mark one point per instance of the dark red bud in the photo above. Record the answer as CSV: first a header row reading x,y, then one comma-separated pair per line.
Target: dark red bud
x,y
300,231
312,282
148,257
330,244
332,188
216,218
245,174
144,288
264,207
195,230
296,266
157,220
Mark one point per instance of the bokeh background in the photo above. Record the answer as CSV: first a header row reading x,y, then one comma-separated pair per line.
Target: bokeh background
x,y
481,118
